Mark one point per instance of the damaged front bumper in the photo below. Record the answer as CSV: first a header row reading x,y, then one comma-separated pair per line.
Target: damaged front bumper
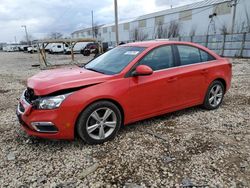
x,y
42,123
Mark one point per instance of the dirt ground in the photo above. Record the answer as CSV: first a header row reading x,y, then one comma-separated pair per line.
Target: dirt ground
x,y
188,148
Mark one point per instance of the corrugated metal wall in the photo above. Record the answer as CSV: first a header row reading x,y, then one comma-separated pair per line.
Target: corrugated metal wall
x,y
233,45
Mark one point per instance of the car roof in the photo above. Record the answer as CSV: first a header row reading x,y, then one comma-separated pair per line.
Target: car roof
x,y
153,43
156,43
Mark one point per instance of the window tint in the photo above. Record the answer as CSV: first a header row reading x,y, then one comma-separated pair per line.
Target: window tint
x,y
189,55
159,58
205,56
58,46
115,60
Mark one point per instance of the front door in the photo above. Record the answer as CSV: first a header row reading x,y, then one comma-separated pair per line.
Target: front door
x,y
152,94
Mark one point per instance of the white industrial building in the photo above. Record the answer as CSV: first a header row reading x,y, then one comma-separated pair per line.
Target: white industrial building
x,y
201,18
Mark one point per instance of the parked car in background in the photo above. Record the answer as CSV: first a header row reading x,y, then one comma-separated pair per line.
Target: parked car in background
x,y
32,49
10,48
78,47
129,83
58,48
90,48
23,47
48,47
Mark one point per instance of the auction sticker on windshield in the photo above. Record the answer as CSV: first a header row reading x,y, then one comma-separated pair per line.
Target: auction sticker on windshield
x,y
131,53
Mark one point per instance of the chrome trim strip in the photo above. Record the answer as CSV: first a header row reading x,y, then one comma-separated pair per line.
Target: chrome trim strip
x,y
18,109
23,98
186,65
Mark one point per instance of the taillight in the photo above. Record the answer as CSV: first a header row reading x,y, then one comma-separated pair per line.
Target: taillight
x,y
229,62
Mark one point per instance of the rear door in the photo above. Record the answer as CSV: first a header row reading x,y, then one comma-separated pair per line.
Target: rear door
x,y
192,74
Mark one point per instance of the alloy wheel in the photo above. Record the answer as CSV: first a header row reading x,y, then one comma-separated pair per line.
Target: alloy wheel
x,y
101,123
215,95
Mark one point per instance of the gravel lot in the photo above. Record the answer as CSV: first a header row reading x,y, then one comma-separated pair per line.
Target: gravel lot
x,y
192,147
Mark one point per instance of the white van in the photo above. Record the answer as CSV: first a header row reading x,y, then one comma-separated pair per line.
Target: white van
x,y
77,48
58,48
10,48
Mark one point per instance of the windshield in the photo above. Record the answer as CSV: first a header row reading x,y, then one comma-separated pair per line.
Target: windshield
x,y
115,60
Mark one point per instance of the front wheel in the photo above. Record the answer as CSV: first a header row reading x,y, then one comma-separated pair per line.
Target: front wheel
x,y
214,96
99,122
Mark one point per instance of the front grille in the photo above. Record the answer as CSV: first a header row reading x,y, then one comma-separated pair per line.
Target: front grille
x,y
29,95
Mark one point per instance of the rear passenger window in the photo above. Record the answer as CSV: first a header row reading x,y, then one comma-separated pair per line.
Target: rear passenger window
x,y
206,57
159,58
189,55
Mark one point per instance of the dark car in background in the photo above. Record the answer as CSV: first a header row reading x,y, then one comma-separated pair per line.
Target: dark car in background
x,y
90,48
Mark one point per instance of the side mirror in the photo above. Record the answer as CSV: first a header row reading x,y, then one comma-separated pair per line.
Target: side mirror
x,y
142,70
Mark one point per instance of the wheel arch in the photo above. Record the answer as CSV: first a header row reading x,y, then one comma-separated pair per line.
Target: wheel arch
x,y
223,81
92,102
216,79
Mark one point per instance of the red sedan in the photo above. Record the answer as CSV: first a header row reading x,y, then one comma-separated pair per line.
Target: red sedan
x,y
127,84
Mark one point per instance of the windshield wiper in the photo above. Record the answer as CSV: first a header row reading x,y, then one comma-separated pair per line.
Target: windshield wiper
x,y
94,70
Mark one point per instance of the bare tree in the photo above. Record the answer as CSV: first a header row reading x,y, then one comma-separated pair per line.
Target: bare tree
x,y
241,27
159,31
247,20
137,35
55,35
224,30
142,36
192,31
134,34
173,29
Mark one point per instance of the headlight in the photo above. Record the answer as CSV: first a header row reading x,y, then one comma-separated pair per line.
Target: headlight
x,y
49,103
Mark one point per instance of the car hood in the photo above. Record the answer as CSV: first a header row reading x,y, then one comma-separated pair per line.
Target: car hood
x,y
50,81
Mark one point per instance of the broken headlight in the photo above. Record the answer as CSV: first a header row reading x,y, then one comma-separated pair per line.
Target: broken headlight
x,y
48,103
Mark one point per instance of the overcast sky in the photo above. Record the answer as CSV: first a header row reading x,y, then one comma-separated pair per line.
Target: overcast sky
x,y
45,16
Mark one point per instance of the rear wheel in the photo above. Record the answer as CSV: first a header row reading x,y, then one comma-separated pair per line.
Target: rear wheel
x,y
99,122
214,96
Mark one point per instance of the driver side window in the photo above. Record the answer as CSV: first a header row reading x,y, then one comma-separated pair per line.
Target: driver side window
x,y
159,58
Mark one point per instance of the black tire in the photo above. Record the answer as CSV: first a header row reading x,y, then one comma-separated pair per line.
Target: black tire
x,y
85,118
86,52
207,104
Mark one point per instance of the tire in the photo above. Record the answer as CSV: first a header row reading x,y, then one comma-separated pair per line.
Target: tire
x,y
94,128
86,53
214,95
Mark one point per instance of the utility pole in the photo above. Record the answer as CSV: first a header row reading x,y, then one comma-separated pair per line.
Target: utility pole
x,y
116,23
92,14
233,5
27,38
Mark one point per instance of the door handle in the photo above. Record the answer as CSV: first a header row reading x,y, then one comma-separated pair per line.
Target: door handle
x,y
204,71
172,79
